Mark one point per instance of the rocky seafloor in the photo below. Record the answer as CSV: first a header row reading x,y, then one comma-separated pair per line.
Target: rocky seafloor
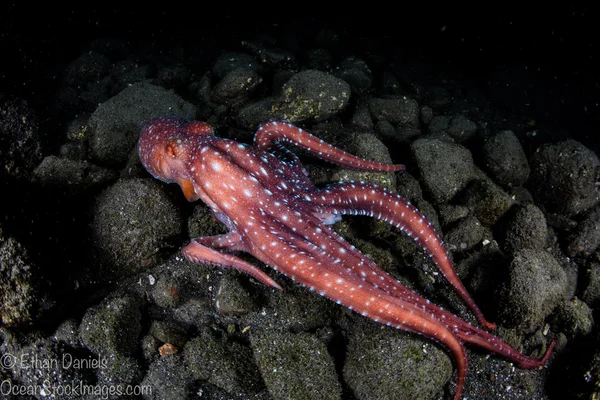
x,y
97,301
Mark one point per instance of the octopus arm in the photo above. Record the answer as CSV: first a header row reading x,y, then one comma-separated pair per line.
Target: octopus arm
x,y
320,268
312,236
278,131
198,251
478,337
371,200
231,241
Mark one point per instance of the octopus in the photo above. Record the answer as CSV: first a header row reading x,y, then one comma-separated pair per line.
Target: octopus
x,y
263,195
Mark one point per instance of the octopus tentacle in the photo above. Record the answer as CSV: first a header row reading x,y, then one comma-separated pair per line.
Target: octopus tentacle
x,y
308,267
231,241
409,311
380,203
197,252
274,131
324,243
355,262
484,339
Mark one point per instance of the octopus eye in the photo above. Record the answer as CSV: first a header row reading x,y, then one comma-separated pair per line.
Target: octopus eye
x,y
170,150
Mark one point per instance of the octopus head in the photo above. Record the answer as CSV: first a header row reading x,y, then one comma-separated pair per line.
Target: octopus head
x,y
166,148
161,148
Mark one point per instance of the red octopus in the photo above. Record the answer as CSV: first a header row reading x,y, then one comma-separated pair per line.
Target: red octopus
x,y
263,195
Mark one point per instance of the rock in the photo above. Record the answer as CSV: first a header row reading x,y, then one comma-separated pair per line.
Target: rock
x,y
168,379
563,177
77,176
255,113
461,128
232,298
320,59
113,327
89,67
229,366
382,364
487,200
118,371
20,139
235,87
591,292
356,72
587,368
203,223
426,115
361,119
452,213
173,76
445,168
295,366
574,318
19,279
133,220
68,333
439,123
397,110
296,309
585,238
169,332
465,235
367,146
525,229
385,129
194,312
164,290
505,159
44,365
408,186
311,95
538,284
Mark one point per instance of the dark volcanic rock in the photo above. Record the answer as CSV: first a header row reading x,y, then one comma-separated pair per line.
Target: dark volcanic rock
x,y
383,363
505,159
20,139
563,177
445,167
133,221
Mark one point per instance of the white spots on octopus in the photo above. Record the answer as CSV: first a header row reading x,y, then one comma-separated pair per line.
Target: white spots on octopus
x,y
216,166
276,202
